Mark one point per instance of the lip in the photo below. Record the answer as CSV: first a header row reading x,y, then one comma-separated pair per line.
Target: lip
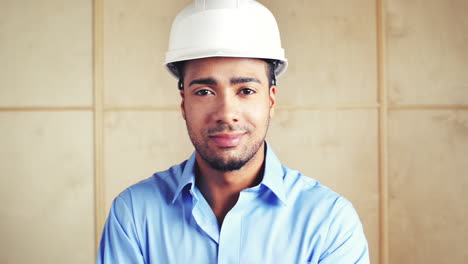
x,y
227,140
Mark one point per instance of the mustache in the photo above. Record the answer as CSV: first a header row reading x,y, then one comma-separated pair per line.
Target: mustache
x,y
227,128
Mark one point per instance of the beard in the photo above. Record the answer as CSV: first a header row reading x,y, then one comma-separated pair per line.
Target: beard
x,y
229,161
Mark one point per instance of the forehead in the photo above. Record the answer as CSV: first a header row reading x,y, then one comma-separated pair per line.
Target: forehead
x,y
222,67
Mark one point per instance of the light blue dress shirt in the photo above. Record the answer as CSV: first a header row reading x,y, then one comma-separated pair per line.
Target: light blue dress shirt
x,y
287,218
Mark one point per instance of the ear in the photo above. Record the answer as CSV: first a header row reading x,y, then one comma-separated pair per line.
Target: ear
x,y
272,100
182,101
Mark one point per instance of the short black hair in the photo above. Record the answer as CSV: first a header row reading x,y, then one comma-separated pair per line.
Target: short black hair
x,y
271,65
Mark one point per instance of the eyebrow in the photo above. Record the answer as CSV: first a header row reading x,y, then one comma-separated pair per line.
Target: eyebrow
x,y
233,81
204,81
238,80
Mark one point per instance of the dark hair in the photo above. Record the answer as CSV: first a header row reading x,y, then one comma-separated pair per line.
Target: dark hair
x,y
271,65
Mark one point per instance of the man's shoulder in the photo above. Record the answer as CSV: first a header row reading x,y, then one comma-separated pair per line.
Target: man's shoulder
x,y
161,185
320,212
309,192
299,188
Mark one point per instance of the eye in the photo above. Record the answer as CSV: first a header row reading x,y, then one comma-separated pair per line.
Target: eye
x,y
246,91
203,92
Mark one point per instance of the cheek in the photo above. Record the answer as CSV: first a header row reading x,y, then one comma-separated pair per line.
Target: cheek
x,y
258,113
194,116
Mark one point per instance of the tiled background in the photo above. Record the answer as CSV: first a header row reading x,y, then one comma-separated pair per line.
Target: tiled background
x,y
374,104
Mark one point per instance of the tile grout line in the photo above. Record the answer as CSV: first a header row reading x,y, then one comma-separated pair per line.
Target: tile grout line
x,y
280,107
329,107
98,108
45,108
382,134
428,107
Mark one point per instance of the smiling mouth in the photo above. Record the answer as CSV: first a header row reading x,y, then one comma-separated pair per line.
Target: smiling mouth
x,y
227,140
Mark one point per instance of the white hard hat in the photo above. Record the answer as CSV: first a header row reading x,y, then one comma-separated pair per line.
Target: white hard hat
x,y
225,28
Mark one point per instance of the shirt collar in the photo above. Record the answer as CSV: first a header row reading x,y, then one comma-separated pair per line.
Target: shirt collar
x,y
187,177
272,177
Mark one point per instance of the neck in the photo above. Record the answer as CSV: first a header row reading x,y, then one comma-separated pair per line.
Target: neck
x,y
221,189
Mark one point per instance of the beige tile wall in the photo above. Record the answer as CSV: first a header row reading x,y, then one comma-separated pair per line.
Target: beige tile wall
x,y
427,54
46,153
45,53
46,187
428,186
330,122
427,62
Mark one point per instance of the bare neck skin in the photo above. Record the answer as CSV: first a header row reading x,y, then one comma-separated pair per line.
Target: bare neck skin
x,y
221,189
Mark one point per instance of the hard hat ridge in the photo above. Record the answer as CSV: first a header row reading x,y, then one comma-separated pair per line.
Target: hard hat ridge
x,y
225,28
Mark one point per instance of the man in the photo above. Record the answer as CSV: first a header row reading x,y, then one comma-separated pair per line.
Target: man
x,y
232,201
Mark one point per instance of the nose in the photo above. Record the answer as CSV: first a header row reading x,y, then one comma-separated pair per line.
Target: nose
x,y
227,110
